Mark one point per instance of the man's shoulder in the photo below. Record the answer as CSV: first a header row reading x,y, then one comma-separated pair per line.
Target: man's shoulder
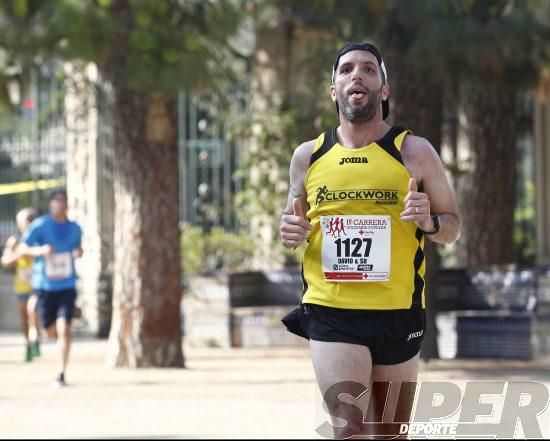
x,y
302,153
419,157
417,148
306,147
36,228
40,221
75,225
416,142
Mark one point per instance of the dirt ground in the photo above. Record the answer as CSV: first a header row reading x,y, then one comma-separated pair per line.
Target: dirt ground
x,y
223,393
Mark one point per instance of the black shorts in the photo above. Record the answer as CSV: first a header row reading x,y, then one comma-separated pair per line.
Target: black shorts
x,y
55,304
393,336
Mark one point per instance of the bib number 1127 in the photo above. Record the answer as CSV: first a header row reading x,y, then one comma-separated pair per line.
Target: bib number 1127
x,y
356,248
361,247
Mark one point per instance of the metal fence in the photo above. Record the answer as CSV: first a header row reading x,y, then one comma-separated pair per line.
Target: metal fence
x,y
209,157
33,160
32,148
33,155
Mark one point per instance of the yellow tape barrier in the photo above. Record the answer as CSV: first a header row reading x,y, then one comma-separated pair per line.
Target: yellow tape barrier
x,y
22,187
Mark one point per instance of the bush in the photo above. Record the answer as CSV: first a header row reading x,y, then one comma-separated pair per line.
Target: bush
x,y
218,250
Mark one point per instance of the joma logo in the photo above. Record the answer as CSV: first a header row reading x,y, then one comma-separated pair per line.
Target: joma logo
x,y
361,160
415,335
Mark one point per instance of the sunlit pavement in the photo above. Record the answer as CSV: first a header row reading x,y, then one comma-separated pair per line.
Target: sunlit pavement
x,y
223,393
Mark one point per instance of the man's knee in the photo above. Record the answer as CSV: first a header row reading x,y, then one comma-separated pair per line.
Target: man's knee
x,y
31,306
349,431
347,416
51,332
22,307
63,327
353,424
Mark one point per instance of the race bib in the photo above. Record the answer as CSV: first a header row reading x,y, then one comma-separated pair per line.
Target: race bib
x,y
25,274
59,266
356,248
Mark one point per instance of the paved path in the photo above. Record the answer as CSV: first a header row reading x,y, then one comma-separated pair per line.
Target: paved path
x,y
224,393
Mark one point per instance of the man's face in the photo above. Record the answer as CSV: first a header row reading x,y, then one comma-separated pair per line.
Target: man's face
x,y
58,206
358,86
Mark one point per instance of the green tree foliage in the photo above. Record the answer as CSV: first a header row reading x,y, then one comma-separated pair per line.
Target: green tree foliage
x,y
298,111
430,47
145,50
461,41
155,46
493,74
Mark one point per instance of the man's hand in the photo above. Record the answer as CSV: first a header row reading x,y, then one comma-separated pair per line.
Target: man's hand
x,y
294,228
46,250
417,208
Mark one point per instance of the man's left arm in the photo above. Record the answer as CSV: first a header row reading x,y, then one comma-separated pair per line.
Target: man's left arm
x,y
436,195
77,250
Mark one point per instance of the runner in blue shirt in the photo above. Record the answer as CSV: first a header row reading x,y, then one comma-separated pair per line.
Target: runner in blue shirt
x,y
55,242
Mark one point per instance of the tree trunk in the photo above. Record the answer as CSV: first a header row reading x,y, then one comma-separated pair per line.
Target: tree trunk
x,y
487,190
146,328
416,104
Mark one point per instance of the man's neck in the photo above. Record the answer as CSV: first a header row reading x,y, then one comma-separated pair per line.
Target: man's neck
x,y
355,135
60,218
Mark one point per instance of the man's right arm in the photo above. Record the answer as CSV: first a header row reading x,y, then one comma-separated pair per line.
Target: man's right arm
x,y
31,237
35,251
294,226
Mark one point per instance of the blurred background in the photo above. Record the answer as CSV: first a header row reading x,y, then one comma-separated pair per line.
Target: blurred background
x,y
172,124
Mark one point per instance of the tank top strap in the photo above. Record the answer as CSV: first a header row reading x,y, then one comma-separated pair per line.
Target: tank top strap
x,y
329,140
391,142
398,141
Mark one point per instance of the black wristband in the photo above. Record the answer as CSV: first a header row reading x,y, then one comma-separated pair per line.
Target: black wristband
x,y
437,225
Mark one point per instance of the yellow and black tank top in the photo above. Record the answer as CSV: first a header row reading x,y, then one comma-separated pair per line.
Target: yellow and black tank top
x,y
23,272
360,254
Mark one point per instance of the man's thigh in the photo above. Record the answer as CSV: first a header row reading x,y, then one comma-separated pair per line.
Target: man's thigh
x,y
392,391
46,306
336,362
343,374
406,371
66,305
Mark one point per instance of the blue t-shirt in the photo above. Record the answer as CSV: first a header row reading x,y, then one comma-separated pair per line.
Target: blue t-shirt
x,y
56,272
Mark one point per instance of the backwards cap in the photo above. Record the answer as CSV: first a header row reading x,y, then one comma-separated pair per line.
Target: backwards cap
x,y
373,50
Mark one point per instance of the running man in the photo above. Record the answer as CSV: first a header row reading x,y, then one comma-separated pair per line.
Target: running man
x,y
26,300
363,302
55,242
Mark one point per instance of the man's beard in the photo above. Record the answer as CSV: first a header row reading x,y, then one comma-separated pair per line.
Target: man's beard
x,y
360,113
